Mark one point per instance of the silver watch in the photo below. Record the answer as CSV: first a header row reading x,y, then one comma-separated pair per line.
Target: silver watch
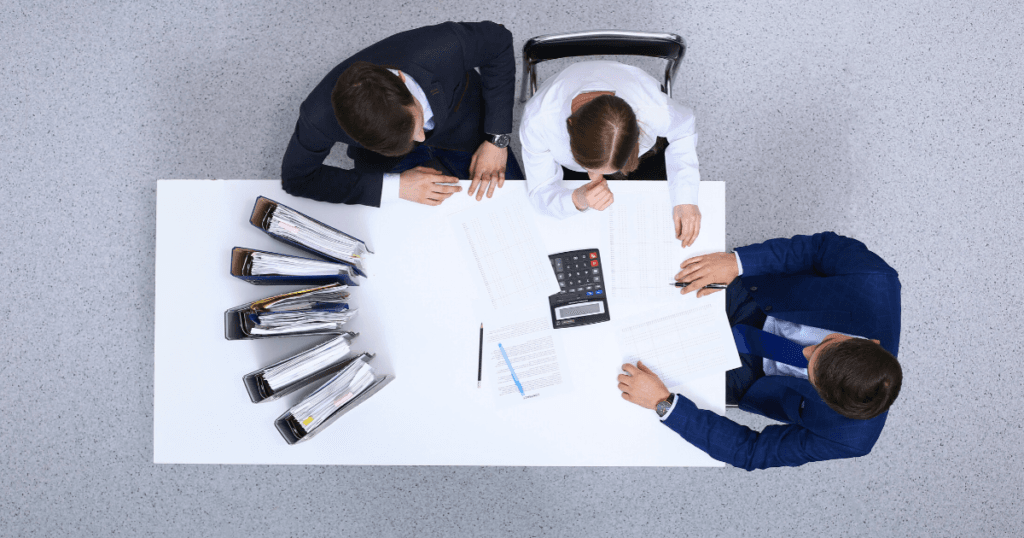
x,y
664,405
500,140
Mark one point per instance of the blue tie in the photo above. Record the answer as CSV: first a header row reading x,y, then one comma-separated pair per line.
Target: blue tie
x,y
764,344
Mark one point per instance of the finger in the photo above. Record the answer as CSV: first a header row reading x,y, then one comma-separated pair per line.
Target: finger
x,y
445,188
623,387
630,369
625,396
428,170
484,180
690,261
501,178
696,231
690,273
474,175
643,367
679,227
623,378
493,185
432,201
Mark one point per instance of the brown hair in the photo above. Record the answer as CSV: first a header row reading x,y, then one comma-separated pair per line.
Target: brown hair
x,y
857,378
371,105
604,132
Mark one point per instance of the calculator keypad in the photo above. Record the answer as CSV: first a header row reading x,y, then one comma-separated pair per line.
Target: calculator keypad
x,y
579,275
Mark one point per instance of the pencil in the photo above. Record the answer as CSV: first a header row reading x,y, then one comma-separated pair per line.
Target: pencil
x,y
480,357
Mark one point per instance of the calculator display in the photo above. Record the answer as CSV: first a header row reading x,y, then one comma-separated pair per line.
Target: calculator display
x,y
582,298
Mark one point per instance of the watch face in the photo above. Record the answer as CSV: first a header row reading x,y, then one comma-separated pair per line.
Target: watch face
x,y
662,408
501,140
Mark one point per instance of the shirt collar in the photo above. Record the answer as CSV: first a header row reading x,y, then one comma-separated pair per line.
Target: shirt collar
x,y
417,92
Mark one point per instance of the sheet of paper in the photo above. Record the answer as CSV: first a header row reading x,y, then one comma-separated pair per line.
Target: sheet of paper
x,y
501,240
534,353
644,255
680,341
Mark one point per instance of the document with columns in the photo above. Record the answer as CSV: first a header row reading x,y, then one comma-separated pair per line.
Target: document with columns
x,y
417,315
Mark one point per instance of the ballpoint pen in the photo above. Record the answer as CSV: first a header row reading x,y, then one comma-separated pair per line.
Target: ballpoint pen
x,y
511,371
711,286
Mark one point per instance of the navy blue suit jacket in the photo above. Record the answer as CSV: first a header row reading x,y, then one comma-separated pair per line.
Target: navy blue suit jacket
x,y
827,281
441,59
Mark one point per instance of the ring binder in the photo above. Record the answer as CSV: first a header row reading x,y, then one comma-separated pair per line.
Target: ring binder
x,y
260,389
291,428
242,261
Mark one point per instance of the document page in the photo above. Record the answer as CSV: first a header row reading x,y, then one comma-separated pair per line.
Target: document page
x,y
501,239
680,341
644,253
535,358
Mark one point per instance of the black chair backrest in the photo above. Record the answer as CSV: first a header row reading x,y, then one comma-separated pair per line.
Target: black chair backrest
x,y
670,47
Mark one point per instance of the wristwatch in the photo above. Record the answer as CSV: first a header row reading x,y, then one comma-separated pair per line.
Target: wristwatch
x,y
664,405
500,140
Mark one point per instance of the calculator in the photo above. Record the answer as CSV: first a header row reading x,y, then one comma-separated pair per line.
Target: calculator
x,y
583,297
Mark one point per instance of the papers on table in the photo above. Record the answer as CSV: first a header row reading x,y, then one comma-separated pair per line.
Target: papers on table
x,y
644,254
501,241
534,353
680,341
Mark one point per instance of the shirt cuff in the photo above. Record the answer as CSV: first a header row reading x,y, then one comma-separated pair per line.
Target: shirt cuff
x,y
389,188
686,193
670,409
739,264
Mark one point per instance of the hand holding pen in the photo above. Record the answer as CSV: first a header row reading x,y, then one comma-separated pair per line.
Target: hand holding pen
x,y
708,273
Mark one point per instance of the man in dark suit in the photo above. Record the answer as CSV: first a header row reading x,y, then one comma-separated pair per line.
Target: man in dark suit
x,y
817,323
416,117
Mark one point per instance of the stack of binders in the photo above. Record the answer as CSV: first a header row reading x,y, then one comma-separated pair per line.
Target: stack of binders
x,y
321,310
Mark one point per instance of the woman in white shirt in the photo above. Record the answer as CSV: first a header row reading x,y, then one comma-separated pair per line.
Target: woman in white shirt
x,y
599,118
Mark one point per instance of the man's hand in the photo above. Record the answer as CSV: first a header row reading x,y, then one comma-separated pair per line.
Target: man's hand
x,y
596,194
699,271
426,186
641,386
687,219
487,169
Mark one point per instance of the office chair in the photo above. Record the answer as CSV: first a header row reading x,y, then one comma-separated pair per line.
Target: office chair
x,y
670,47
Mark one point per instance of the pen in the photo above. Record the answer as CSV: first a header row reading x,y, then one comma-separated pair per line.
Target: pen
x,y
480,357
711,286
511,371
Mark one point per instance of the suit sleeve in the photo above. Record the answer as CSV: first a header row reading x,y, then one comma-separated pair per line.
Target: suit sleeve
x,y
739,446
488,45
304,174
824,254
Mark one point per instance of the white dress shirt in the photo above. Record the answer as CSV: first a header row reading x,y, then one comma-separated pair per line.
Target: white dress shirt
x,y
389,188
545,137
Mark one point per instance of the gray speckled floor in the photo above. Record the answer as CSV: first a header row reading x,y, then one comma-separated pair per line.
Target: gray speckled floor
x,y
896,122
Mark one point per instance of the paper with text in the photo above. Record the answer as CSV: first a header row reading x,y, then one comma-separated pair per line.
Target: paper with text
x,y
534,351
501,239
678,342
644,254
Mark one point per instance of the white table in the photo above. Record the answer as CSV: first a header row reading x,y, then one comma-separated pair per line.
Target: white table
x,y
416,315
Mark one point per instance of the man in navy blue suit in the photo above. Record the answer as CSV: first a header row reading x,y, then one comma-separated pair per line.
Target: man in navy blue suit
x,y
416,116
829,308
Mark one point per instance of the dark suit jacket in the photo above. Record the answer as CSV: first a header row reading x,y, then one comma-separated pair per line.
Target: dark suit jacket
x,y
441,59
827,281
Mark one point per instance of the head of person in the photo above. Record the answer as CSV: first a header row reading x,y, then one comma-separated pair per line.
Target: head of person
x,y
857,378
604,136
376,109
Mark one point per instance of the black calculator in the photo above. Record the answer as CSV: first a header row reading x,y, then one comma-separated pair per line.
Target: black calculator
x,y
583,297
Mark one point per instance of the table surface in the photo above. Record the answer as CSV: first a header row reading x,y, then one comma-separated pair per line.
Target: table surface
x,y
416,313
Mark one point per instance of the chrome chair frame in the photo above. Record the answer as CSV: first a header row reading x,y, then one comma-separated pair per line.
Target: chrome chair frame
x,y
670,47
